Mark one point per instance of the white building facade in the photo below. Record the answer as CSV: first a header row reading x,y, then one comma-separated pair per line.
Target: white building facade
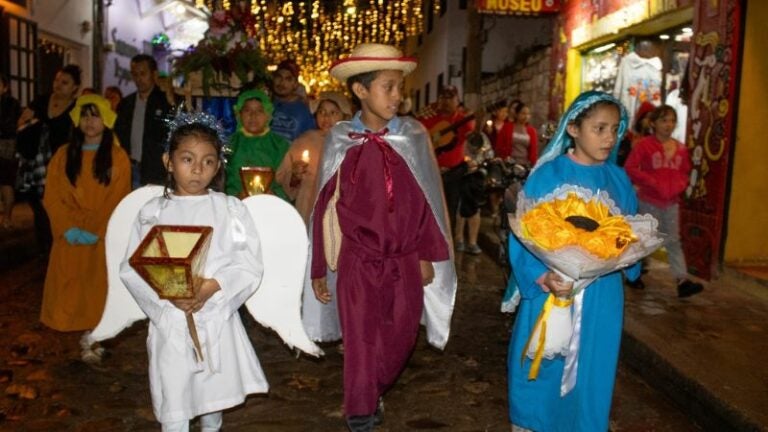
x,y
441,49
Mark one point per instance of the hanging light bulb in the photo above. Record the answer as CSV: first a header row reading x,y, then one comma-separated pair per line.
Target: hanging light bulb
x,y
349,7
315,33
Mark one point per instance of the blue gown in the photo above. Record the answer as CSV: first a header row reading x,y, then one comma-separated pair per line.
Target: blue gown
x,y
537,405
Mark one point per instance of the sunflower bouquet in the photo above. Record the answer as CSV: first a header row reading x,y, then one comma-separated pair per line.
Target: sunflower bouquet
x,y
581,235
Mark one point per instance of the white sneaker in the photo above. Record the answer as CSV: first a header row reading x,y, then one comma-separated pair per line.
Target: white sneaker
x,y
474,250
85,341
90,356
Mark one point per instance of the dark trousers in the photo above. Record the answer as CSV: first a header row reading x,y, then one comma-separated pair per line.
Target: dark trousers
x,y
452,180
43,234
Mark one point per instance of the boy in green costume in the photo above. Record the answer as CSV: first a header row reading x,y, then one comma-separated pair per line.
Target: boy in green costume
x,y
254,144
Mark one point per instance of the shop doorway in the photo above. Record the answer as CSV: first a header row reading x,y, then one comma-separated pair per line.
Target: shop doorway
x,y
641,64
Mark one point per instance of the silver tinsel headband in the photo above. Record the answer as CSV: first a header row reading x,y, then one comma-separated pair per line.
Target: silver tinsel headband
x,y
184,118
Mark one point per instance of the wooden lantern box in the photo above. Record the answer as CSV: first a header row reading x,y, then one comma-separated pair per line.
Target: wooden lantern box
x,y
170,258
256,180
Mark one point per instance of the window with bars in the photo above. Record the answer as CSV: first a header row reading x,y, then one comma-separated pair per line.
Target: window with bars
x,y
18,44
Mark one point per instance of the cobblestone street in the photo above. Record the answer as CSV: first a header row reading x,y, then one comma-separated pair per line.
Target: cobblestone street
x,y
45,386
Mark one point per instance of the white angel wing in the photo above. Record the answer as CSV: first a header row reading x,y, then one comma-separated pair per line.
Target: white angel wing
x,y
284,250
121,310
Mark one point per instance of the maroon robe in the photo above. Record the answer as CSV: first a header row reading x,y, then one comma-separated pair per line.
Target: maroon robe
x,y
379,286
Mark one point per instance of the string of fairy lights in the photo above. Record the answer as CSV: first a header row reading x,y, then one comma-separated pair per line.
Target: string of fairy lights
x,y
314,33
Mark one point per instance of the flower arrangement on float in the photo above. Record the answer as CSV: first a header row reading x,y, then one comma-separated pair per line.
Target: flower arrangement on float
x,y
581,235
227,56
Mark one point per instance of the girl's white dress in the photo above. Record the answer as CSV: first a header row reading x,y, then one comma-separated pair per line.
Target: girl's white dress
x,y
181,387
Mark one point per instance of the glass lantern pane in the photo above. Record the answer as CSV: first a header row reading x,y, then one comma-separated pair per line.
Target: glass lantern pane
x,y
170,281
180,244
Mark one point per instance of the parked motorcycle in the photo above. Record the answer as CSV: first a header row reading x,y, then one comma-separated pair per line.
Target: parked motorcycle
x,y
509,176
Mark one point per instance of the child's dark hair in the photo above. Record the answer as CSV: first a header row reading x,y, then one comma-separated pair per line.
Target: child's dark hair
x,y
637,127
662,111
365,79
102,163
202,133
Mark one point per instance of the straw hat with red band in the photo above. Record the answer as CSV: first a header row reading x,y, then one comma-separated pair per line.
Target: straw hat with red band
x,y
369,57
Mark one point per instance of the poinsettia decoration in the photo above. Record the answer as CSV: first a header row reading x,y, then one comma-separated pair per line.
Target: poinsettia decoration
x,y
228,49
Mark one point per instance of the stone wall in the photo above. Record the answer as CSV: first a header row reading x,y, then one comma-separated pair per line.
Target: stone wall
x,y
527,79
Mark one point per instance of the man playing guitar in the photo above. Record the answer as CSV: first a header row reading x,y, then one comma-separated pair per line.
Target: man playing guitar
x,y
448,126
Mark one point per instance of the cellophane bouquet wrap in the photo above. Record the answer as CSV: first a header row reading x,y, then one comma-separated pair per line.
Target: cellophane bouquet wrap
x,y
581,235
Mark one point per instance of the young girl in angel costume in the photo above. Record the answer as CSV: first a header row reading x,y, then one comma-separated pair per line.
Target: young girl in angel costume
x,y
182,387
582,153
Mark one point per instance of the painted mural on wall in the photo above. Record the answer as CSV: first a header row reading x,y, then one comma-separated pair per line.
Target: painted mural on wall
x,y
713,72
124,49
129,33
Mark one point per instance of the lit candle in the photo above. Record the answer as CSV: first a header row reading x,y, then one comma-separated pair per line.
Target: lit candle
x,y
489,123
305,156
256,185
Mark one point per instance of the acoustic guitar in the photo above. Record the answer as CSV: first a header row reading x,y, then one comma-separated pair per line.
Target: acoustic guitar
x,y
444,136
443,133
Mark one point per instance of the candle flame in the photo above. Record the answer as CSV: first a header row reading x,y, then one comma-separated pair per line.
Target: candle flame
x,y
305,156
256,185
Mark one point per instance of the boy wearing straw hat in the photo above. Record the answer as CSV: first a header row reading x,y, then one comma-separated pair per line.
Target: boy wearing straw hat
x,y
395,259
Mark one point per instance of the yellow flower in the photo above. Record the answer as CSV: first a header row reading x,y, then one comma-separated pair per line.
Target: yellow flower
x,y
574,222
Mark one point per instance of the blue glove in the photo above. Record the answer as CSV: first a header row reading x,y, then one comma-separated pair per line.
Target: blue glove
x,y
87,238
72,235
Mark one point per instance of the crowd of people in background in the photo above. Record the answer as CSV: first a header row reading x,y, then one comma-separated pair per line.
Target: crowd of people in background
x,y
282,128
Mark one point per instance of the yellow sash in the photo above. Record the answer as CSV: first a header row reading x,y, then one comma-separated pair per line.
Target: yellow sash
x,y
542,321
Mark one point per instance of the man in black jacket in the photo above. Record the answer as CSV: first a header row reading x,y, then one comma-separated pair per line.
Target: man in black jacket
x,y
140,124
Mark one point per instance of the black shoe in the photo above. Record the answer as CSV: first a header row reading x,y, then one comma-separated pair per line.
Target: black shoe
x,y
637,284
360,423
687,288
378,416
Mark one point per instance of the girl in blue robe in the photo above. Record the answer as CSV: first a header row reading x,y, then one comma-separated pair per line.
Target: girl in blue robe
x,y
583,153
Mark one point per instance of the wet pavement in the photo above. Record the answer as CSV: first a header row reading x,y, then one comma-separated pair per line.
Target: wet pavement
x,y
45,387
705,351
